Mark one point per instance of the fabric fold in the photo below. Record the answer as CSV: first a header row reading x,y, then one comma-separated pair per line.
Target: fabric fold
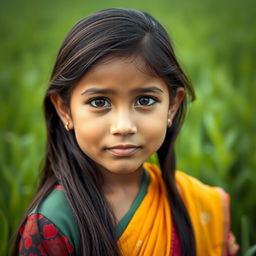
x,y
149,231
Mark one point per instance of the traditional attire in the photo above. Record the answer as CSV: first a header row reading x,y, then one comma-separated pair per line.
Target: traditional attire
x,y
146,229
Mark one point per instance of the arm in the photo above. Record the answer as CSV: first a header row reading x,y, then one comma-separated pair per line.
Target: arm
x,y
39,236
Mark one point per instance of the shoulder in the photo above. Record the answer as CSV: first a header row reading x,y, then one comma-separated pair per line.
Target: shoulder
x,y
39,236
202,197
56,206
56,209
191,189
208,209
188,185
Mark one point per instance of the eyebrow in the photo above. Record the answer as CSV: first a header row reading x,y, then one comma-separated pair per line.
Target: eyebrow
x,y
151,89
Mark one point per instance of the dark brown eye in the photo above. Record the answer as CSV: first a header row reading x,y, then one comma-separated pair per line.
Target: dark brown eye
x,y
145,101
100,103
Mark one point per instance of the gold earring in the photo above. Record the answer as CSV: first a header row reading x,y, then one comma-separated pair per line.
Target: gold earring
x,y
169,122
66,126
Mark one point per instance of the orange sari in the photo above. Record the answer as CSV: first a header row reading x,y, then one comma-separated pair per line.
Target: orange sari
x,y
149,231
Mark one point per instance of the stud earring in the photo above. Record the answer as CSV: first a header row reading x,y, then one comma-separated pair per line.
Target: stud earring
x,y
66,126
169,122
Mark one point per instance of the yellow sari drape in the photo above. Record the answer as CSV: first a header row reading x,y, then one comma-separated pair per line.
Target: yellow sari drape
x,y
149,231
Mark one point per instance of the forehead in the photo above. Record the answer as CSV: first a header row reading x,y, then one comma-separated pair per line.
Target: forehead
x,y
121,73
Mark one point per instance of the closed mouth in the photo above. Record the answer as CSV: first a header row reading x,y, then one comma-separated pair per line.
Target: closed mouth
x,y
123,150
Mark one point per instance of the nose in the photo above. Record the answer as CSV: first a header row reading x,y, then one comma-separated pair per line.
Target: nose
x,y
123,124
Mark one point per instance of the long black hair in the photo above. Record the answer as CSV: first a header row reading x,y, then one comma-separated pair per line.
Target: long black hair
x,y
119,32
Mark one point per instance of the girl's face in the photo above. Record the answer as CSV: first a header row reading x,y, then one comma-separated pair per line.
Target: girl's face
x,y
119,114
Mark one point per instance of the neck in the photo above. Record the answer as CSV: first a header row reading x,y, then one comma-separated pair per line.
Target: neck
x,y
119,183
120,190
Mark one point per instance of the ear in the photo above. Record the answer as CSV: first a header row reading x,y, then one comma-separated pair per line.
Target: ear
x,y
62,110
175,103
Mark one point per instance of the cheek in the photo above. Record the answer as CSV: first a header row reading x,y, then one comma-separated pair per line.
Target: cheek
x,y
89,132
154,133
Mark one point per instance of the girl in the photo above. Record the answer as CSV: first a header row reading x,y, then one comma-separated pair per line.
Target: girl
x,y
116,96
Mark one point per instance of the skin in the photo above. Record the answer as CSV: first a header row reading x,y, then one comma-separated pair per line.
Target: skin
x,y
233,247
123,115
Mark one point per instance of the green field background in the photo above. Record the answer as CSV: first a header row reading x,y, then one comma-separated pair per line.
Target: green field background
x,y
215,42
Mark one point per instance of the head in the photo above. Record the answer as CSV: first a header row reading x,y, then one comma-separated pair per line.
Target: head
x,y
119,113
112,41
116,81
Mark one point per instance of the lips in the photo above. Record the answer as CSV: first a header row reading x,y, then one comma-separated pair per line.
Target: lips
x,y
123,150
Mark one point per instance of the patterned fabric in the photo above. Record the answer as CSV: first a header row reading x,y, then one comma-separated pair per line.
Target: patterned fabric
x,y
40,237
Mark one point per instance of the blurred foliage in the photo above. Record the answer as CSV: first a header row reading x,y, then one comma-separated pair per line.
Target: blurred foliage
x,y
216,44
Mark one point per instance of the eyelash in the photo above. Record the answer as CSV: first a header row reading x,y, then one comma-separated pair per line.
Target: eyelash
x,y
150,98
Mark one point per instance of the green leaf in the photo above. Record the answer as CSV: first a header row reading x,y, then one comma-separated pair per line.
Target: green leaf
x,y
251,251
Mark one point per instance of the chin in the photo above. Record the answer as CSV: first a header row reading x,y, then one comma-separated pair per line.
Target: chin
x,y
124,169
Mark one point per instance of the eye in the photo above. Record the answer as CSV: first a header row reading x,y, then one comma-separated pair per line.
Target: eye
x,y
99,103
145,101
